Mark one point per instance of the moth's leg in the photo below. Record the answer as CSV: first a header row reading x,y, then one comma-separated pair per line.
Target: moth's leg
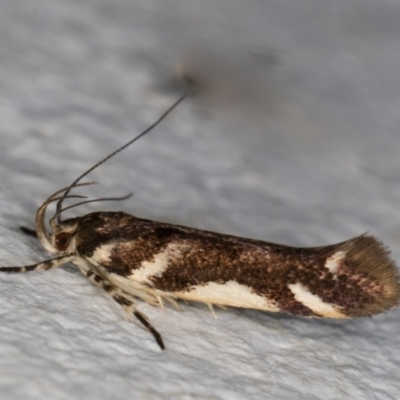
x,y
211,308
174,303
28,231
114,291
126,303
150,327
160,302
42,266
100,281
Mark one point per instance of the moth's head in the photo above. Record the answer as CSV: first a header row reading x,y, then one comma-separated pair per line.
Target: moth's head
x,y
60,239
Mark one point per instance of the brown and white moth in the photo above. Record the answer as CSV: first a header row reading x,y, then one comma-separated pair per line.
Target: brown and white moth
x,y
134,258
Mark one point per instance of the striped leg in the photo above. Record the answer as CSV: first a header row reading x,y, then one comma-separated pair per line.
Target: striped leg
x,y
42,266
150,327
125,302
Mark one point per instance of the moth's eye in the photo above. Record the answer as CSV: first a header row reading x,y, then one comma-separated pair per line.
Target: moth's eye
x,y
62,240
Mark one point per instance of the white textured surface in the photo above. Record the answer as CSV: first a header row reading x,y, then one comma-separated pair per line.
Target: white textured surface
x,y
293,138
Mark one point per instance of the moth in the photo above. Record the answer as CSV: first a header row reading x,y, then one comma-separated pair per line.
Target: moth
x,y
133,258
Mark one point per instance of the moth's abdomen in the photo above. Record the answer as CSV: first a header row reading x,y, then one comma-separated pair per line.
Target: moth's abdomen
x,y
351,279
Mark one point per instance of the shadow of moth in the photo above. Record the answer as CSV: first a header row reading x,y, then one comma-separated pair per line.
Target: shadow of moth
x,y
133,258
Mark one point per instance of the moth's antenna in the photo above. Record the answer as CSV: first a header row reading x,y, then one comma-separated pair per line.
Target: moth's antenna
x,y
60,202
86,202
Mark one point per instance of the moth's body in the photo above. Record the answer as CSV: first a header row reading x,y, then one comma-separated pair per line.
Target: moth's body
x,y
134,258
164,261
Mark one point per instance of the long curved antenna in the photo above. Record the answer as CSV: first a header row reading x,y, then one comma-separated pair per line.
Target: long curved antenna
x,y
86,202
60,202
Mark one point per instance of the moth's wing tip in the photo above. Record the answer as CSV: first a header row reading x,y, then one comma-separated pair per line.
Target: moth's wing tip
x,y
371,257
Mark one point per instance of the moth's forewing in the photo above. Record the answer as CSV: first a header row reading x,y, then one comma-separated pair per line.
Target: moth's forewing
x,y
349,279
